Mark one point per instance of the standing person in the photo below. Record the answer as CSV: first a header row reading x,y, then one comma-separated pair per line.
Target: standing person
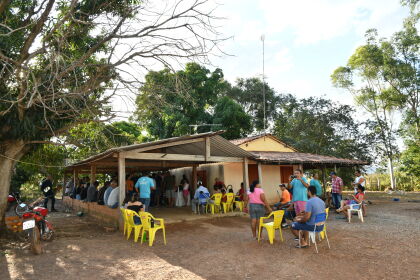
x,y
145,185
129,185
317,184
257,204
101,193
360,180
305,221
158,192
240,193
47,191
337,188
168,186
185,189
300,191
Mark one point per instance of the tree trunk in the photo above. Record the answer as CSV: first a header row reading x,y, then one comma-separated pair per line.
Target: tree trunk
x,y
391,174
10,151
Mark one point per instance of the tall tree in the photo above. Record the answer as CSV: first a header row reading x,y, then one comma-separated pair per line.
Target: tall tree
x,y
61,61
232,117
169,102
317,125
389,72
248,92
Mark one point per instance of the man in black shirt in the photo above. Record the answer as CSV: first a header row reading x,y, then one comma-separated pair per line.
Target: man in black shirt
x,y
47,190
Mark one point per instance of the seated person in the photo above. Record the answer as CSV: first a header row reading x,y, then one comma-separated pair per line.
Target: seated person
x,y
200,190
289,214
114,196
92,192
285,198
355,199
240,193
135,205
305,220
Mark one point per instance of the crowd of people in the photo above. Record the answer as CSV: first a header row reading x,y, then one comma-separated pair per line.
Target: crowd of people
x,y
303,201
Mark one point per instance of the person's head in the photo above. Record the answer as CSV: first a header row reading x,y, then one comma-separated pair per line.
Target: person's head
x,y
311,191
357,173
107,183
184,176
242,185
333,174
216,179
230,191
114,183
360,188
126,200
96,184
298,173
49,177
315,176
282,187
255,184
199,183
134,197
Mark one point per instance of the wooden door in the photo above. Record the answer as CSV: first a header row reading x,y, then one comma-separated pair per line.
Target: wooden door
x,y
202,176
252,173
285,173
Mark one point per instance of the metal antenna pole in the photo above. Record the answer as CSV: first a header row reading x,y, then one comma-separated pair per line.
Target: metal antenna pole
x,y
263,80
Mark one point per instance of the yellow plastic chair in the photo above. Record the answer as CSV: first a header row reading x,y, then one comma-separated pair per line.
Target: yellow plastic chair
x,y
146,221
323,232
239,204
130,221
123,215
217,205
228,205
272,226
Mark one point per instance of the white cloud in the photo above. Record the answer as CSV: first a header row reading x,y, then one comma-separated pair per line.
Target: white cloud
x,y
312,21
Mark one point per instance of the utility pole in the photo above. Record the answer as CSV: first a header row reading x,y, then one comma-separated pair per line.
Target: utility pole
x,y
263,80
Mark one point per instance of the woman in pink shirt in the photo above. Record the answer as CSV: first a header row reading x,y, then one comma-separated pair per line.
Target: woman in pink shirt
x,y
256,204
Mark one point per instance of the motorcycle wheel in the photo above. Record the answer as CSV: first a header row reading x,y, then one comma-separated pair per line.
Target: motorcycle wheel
x,y
35,239
21,210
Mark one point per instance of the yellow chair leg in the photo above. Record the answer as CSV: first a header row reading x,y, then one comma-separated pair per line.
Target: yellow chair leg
x,y
129,232
164,236
151,237
281,234
136,233
270,232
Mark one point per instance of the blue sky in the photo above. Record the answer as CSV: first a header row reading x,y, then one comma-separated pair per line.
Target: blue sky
x,y
305,40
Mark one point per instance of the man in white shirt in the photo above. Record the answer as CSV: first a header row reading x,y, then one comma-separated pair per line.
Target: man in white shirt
x,y
197,199
114,196
360,180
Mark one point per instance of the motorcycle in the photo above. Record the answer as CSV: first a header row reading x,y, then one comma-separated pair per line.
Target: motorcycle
x,y
20,207
37,227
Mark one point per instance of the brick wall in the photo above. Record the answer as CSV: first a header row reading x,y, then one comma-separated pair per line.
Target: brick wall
x,y
101,213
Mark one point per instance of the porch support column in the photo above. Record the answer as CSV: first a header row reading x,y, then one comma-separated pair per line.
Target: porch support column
x,y
335,168
121,177
324,179
301,167
194,177
260,173
75,177
245,173
207,149
92,174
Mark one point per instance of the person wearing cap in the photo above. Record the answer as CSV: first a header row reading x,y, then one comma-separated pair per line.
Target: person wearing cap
x,y
336,190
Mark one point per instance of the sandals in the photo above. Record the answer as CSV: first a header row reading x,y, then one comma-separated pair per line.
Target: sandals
x,y
301,247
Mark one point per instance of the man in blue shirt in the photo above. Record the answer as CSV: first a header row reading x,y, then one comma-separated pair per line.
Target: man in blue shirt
x,y
205,195
315,182
300,196
306,220
145,185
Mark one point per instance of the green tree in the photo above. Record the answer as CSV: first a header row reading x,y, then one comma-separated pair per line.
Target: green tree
x,y
61,62
317,125
248,93
169,102
232,117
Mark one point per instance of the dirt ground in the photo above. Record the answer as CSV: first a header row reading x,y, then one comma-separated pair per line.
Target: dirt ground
x,y
386,246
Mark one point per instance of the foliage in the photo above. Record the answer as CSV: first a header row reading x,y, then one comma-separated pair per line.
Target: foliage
x,y
232,117
319,126
248,93
169,102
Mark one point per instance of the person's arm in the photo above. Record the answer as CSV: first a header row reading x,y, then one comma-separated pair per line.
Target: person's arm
x,y
262,197
305,217
360,199
304,182
152,182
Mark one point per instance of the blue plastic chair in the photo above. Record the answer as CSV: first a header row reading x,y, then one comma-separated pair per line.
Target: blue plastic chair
x,y
320,221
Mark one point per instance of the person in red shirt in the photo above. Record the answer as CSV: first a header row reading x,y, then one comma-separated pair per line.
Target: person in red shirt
x,y
356,199
241,192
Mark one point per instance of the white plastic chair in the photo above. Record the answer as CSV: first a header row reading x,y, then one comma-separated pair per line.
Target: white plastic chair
x,y
320,220
355,208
